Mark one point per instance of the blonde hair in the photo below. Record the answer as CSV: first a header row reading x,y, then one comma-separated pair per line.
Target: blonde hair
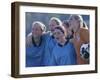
x,y
78,18
42,26
57,20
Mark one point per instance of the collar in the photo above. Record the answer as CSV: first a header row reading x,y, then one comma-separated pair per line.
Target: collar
x,y
35,43
64,44
52,36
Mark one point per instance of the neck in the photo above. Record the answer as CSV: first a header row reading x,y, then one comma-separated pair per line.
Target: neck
x,y
76,29
37,40
77,35
77,32
62,41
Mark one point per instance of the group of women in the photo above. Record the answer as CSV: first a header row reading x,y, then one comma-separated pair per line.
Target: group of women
x,y
58,46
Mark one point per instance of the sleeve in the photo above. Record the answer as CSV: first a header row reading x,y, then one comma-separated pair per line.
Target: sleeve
x,y
47,52
85,35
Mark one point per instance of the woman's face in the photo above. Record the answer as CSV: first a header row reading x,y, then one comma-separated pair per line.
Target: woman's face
x,y
36,30
68,31
52,25
59,35
74,24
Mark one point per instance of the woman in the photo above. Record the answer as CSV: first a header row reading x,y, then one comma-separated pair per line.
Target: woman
x,y
67,28
54,22
81,35
35,44
50,41
63,52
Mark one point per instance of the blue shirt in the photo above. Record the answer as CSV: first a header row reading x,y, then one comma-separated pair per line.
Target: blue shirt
x,y
63,55
34,54
50,43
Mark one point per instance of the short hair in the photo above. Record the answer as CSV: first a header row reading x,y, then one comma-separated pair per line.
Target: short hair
x,y
57,20
61,28
66,22
42,26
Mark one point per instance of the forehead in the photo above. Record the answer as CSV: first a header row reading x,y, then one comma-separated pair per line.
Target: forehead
x,y
72,18
52,21
57,30
36,26
76,17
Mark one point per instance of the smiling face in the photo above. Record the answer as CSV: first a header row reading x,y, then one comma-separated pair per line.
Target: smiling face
x,y
75,22
36,30
52,25
59,35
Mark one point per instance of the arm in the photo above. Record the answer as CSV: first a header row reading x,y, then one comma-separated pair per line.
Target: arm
x,y
85,35
29,39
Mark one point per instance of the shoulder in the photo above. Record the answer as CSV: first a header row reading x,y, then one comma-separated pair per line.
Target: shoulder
x,y
70,44
46,35
84,33
84,30
29,39
29,36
